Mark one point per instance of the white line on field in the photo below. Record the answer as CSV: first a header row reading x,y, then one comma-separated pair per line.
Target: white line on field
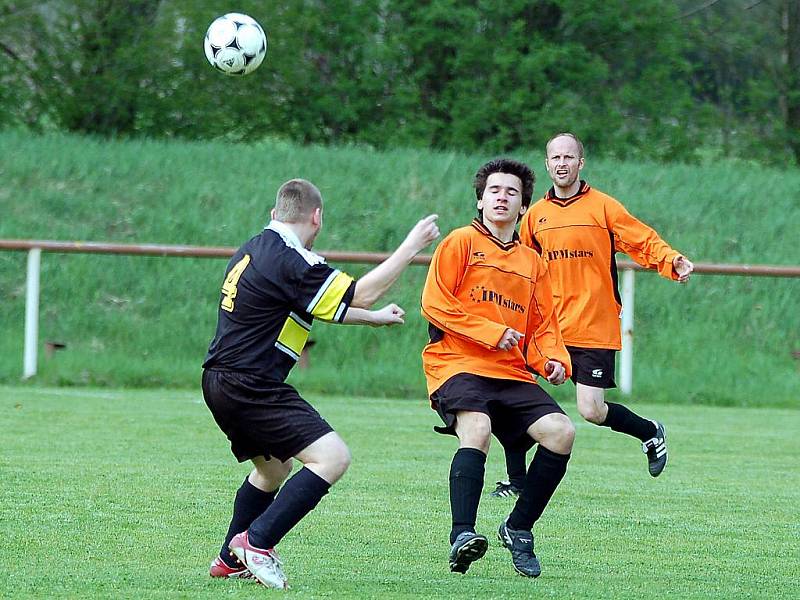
x,y
75,394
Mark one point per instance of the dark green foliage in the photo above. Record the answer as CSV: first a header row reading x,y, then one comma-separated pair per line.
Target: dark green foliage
x,y
741,78
672,81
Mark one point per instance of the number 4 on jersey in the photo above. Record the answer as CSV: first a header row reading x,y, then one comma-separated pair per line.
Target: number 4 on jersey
x,y
231,281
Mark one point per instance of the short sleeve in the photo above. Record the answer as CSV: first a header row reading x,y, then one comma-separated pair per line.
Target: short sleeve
x,y
325,292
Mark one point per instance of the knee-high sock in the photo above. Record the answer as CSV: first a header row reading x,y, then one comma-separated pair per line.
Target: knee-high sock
x,y
515,466
249,503
466,484
298,497
624,420
545,473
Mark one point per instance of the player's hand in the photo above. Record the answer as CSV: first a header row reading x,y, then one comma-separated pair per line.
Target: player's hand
x,y
683,268
422,234
510,339
391,314
555,371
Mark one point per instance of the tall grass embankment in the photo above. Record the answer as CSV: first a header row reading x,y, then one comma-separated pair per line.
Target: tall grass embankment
x,y
147,321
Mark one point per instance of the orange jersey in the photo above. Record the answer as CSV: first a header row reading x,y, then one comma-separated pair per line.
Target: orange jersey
x,y
578,238
477,287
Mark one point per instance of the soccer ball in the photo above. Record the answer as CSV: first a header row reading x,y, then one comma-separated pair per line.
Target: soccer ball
x,y
235,44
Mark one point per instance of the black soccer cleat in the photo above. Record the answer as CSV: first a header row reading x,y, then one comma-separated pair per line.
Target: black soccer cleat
x,y
505,489
468,547
656,450
520,543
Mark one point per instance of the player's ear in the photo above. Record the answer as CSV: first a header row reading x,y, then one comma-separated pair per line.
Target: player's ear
x,y
580,163
272,214
316,217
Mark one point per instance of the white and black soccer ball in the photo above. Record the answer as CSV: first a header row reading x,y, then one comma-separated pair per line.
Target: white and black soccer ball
x,y
235,44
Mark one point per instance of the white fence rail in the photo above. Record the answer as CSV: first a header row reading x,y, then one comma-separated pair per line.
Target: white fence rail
x,y
36,247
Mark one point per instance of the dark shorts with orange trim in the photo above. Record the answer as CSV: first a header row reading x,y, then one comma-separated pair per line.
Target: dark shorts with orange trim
x,y
261,418
593,366
513,406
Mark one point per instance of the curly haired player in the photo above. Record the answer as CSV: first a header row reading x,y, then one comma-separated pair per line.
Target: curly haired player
x,y
489,305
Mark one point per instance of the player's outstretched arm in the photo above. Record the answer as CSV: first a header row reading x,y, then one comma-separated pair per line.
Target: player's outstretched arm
x,y
641,242
374,284
391,314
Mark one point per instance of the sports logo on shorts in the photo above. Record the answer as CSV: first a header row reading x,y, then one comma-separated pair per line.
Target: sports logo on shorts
x,y
597,373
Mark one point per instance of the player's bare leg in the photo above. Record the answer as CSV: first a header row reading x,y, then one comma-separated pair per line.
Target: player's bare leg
x,y
593,407
591,403
269,474
328,457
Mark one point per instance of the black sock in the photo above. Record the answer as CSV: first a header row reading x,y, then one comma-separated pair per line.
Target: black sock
x,y
545,473
515,466
624,420
300,494
466,484
250,502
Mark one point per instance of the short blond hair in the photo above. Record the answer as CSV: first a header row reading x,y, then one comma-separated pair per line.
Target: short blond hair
x,y
296,200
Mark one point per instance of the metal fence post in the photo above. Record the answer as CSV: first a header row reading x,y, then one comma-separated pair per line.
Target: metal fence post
x,y
32,312
626,354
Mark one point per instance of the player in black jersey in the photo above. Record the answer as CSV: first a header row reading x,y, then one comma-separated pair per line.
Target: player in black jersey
x,y
274,288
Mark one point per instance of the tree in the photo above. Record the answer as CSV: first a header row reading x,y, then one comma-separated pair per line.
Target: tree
x,y
739,78
792,93
83,71
645,78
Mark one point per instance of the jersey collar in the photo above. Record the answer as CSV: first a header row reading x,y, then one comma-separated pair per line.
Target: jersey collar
x,y
582,191
285,232
478,224
291,240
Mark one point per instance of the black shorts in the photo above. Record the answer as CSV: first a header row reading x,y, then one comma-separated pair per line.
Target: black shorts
x,y
261,418
512,406
593,366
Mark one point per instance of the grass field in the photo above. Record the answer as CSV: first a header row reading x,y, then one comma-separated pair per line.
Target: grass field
x,y
126,494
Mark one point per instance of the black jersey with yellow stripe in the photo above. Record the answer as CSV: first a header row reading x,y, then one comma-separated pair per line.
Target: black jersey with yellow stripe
x,y
272,292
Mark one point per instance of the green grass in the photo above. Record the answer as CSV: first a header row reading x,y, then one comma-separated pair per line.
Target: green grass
x,y
131,321
110,493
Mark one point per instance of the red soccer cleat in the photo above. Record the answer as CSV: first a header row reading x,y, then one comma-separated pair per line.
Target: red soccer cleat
x,y
220,569
264,565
